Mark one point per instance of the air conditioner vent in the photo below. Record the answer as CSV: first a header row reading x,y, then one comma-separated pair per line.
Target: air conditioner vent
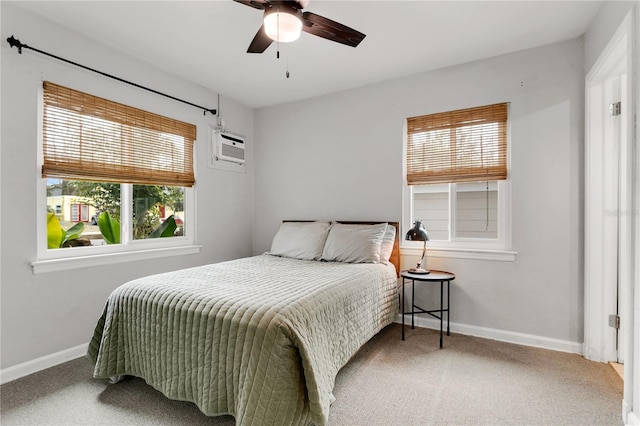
x,y
230,151
229,147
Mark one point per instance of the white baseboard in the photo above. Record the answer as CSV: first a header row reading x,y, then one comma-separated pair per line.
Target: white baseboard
x,y
628,416
17,371
12,373
500,335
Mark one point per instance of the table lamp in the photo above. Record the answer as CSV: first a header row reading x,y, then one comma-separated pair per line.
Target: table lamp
x,y
418,233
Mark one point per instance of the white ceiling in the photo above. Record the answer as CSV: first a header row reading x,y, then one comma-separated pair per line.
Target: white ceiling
x,y
206,41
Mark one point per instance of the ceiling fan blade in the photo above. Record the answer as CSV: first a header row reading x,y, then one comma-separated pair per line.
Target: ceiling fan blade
x,y
260,42
256,4
331,30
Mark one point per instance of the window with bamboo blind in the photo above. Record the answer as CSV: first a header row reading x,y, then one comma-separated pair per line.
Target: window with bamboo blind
x,y
91,138
130,166
457,177
466,145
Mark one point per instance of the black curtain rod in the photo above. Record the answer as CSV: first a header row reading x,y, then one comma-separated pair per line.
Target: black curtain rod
x,y
14,42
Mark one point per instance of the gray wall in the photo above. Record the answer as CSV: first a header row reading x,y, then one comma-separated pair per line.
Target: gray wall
x,y
47,313
340,157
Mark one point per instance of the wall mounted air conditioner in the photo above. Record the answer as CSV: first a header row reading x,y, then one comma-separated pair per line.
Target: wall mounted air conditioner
x,y
229,147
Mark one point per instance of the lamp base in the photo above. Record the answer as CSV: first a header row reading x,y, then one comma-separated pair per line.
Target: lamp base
x,y
418,271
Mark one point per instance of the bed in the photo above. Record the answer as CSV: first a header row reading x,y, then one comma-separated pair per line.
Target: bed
x,y
260,338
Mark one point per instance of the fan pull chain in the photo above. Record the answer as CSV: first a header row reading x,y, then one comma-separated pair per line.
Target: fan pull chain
x,y
278,41
278,34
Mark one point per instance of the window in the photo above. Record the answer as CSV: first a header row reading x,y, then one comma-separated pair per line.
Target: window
x,y
80,212
118,179
457,178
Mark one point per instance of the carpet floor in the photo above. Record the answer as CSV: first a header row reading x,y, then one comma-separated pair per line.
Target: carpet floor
x,y
472,381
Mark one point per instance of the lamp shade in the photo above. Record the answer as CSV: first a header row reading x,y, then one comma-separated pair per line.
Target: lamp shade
x,y
281,25
417,233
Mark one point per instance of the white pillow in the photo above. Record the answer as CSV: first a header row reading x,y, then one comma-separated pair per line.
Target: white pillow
x,y
354,243
300,240
386,248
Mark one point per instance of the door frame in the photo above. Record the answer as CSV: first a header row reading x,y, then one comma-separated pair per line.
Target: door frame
x,y
606,191
606,257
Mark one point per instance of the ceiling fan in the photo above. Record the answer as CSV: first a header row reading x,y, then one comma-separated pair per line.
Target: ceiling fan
x,y
284,20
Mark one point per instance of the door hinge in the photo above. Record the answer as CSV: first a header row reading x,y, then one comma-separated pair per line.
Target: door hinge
x,y
615,109
614,321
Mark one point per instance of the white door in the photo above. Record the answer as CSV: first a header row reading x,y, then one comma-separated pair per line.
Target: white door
x,y
621,184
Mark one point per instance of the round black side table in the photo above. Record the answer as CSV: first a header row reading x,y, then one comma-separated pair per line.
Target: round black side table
x,y
432,277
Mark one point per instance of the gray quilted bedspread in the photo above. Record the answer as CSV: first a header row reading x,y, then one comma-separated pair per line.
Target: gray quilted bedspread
x,y
261,338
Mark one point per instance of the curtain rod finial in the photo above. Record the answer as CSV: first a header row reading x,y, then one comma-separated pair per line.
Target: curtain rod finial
x,y
13,42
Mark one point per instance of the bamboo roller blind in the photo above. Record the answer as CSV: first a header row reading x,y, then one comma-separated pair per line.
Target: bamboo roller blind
x,y
466,145
94,139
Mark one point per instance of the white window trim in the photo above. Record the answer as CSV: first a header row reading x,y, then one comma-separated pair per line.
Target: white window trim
x,y
76,257
86,261
461,253
465,248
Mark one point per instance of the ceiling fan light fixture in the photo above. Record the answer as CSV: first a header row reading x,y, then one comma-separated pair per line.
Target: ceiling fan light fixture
x,y
282,26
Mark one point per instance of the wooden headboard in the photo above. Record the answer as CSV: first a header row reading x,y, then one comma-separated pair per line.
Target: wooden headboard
x,y
395,254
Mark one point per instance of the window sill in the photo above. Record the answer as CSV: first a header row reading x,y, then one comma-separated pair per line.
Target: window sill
x,y
463,253
55,265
